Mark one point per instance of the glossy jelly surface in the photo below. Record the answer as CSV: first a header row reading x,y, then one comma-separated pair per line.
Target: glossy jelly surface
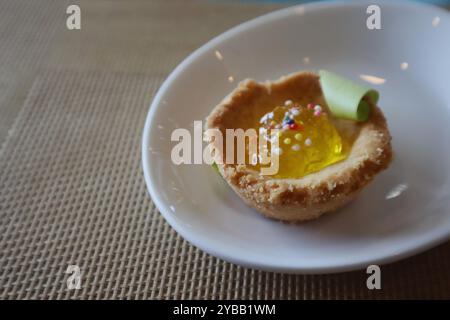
x,y
307,139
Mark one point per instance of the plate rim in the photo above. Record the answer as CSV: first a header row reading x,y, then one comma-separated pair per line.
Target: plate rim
x,y
438,238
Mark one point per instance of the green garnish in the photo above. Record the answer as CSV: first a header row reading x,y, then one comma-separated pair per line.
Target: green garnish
x,y
214,165
345,97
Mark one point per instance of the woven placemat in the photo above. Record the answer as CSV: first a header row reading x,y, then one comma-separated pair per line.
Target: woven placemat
x,y
72,190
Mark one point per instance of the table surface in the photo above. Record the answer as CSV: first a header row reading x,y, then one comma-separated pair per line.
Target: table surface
x,y
72,110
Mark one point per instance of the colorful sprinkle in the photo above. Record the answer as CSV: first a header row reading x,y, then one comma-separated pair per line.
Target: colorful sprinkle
x,y
293,126
295,111
287,141
298,136
317,113
317,108
308,142
288,120
296,147
310,106
288,103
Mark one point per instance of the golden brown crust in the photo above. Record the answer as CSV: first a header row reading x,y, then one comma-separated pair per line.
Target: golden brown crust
x,y
309,197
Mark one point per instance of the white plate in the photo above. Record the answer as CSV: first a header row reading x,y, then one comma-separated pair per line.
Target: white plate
x,y
404,211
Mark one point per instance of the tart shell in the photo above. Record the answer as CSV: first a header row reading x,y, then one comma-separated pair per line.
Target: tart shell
x,y
306,198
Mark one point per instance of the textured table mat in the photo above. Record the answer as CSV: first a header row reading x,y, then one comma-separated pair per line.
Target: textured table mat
x,y
71,188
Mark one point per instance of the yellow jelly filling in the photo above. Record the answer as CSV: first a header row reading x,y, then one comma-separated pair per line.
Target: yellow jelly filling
x,y
307,139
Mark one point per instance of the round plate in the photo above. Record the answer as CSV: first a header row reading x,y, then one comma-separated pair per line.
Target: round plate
x,y
405,210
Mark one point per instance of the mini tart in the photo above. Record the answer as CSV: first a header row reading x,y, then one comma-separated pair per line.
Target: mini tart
x,y
306,198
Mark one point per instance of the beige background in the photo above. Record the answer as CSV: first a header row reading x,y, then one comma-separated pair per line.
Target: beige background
x,y
72,108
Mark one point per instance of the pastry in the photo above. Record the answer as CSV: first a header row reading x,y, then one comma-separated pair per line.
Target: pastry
x,y
324,159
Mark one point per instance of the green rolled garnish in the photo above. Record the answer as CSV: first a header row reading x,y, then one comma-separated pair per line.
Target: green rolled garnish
x,y
345,97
